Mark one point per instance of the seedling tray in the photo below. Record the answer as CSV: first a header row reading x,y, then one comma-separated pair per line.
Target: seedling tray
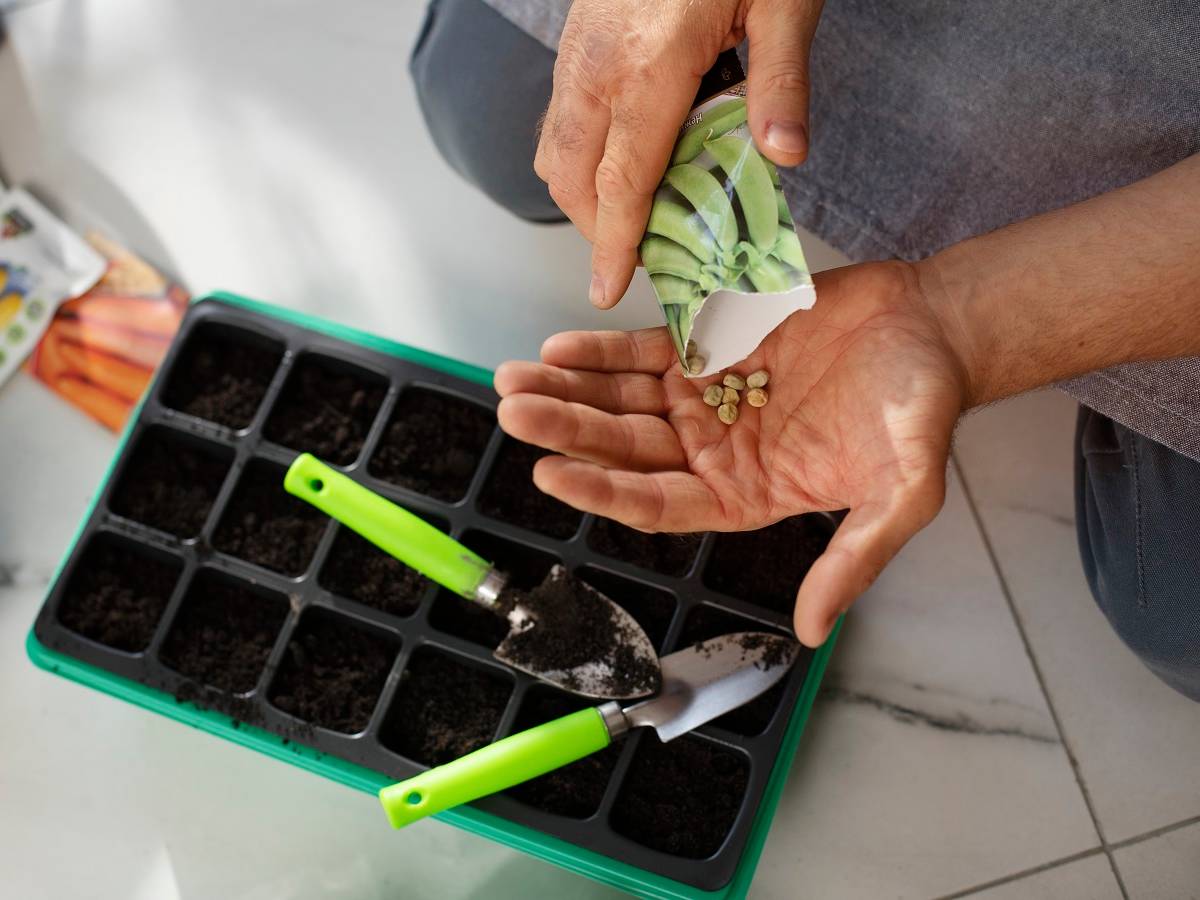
x,y
197,588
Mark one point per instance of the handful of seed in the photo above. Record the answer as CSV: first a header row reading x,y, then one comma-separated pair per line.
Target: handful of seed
x,y
727,395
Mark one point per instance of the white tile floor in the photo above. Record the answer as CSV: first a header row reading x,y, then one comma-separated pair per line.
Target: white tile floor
x,y
943,761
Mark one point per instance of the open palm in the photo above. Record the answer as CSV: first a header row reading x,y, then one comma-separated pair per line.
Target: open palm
x,y
864,394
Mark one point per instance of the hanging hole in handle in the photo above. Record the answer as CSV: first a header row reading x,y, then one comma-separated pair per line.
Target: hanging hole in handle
x,y
414,798
317,485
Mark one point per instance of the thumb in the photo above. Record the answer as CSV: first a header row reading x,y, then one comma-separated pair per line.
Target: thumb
x,y
863,544
780,33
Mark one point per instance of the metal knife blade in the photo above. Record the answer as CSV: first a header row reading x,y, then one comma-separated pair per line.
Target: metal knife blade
x,y
711,678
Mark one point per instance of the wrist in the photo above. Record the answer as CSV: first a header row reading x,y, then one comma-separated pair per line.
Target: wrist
x,y
948,290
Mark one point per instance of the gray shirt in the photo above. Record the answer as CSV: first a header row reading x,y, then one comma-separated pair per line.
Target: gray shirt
x,y
935,121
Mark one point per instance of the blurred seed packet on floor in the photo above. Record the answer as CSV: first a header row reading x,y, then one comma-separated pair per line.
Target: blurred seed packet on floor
x,y
102,348
42,263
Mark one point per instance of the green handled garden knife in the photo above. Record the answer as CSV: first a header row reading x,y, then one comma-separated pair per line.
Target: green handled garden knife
x,y
438,556
700,683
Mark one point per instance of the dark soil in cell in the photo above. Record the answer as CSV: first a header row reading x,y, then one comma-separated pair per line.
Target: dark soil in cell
x,y
681,798
169,484
575,790
753,718
574,626
266,525
652,608
223,633
332,673
325,411
444,709
221,379
510,494
525,568
766,567
358,569
433,444
670,554
117,596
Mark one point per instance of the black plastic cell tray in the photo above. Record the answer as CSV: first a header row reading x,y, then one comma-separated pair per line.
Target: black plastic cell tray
x,y
412,633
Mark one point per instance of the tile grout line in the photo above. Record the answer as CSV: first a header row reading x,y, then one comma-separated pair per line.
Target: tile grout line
x,y
1024,873
1155,832
1074,857
1037,673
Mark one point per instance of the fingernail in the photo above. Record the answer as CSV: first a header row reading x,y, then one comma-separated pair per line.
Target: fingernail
x,y
596,291
787,137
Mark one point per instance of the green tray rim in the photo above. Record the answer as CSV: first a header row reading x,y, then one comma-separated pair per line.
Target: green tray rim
x,y
542,846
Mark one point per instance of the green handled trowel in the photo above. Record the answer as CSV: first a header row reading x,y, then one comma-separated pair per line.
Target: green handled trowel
x,y
439,557
700,683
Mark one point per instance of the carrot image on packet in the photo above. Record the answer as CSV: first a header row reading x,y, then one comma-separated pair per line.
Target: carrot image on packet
x,y
102,348
720,246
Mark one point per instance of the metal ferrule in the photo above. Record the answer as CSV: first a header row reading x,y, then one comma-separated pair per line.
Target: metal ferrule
x,y
488,592
614,719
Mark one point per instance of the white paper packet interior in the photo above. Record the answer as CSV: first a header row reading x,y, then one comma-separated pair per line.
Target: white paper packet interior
x,y
720,245
42,263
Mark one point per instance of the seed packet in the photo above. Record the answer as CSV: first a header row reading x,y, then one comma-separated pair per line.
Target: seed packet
x,y
102,348
720,245
42,263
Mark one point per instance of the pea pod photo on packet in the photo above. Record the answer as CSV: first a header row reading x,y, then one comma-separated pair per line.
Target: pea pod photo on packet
x,y
720,246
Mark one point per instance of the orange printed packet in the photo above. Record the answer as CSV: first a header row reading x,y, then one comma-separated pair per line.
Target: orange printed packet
x,y
102,348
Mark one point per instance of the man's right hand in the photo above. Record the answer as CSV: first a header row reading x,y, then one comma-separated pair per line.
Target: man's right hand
x,y
626,76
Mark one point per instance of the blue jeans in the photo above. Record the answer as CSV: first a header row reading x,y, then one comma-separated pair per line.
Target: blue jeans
x,y
483,84
1137,511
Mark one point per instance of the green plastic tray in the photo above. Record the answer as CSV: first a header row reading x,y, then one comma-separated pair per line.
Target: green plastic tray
x,y
569,856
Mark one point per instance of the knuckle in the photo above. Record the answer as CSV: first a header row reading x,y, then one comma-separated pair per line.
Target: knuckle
x,y
613,179
785,79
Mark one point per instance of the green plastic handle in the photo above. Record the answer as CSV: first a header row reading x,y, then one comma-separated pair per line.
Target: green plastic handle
x,y
392,529
495,767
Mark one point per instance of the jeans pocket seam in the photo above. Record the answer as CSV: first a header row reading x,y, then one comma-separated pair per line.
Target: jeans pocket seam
x,y
1137,524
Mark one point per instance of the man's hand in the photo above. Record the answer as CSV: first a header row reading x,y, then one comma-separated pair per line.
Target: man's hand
x,y
626,76
864,394
866,387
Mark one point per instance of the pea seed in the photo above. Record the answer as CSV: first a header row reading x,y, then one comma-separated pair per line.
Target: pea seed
x,y
737,382
691,349
758,379
712,395
729,395
756,397
727,413
696,364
